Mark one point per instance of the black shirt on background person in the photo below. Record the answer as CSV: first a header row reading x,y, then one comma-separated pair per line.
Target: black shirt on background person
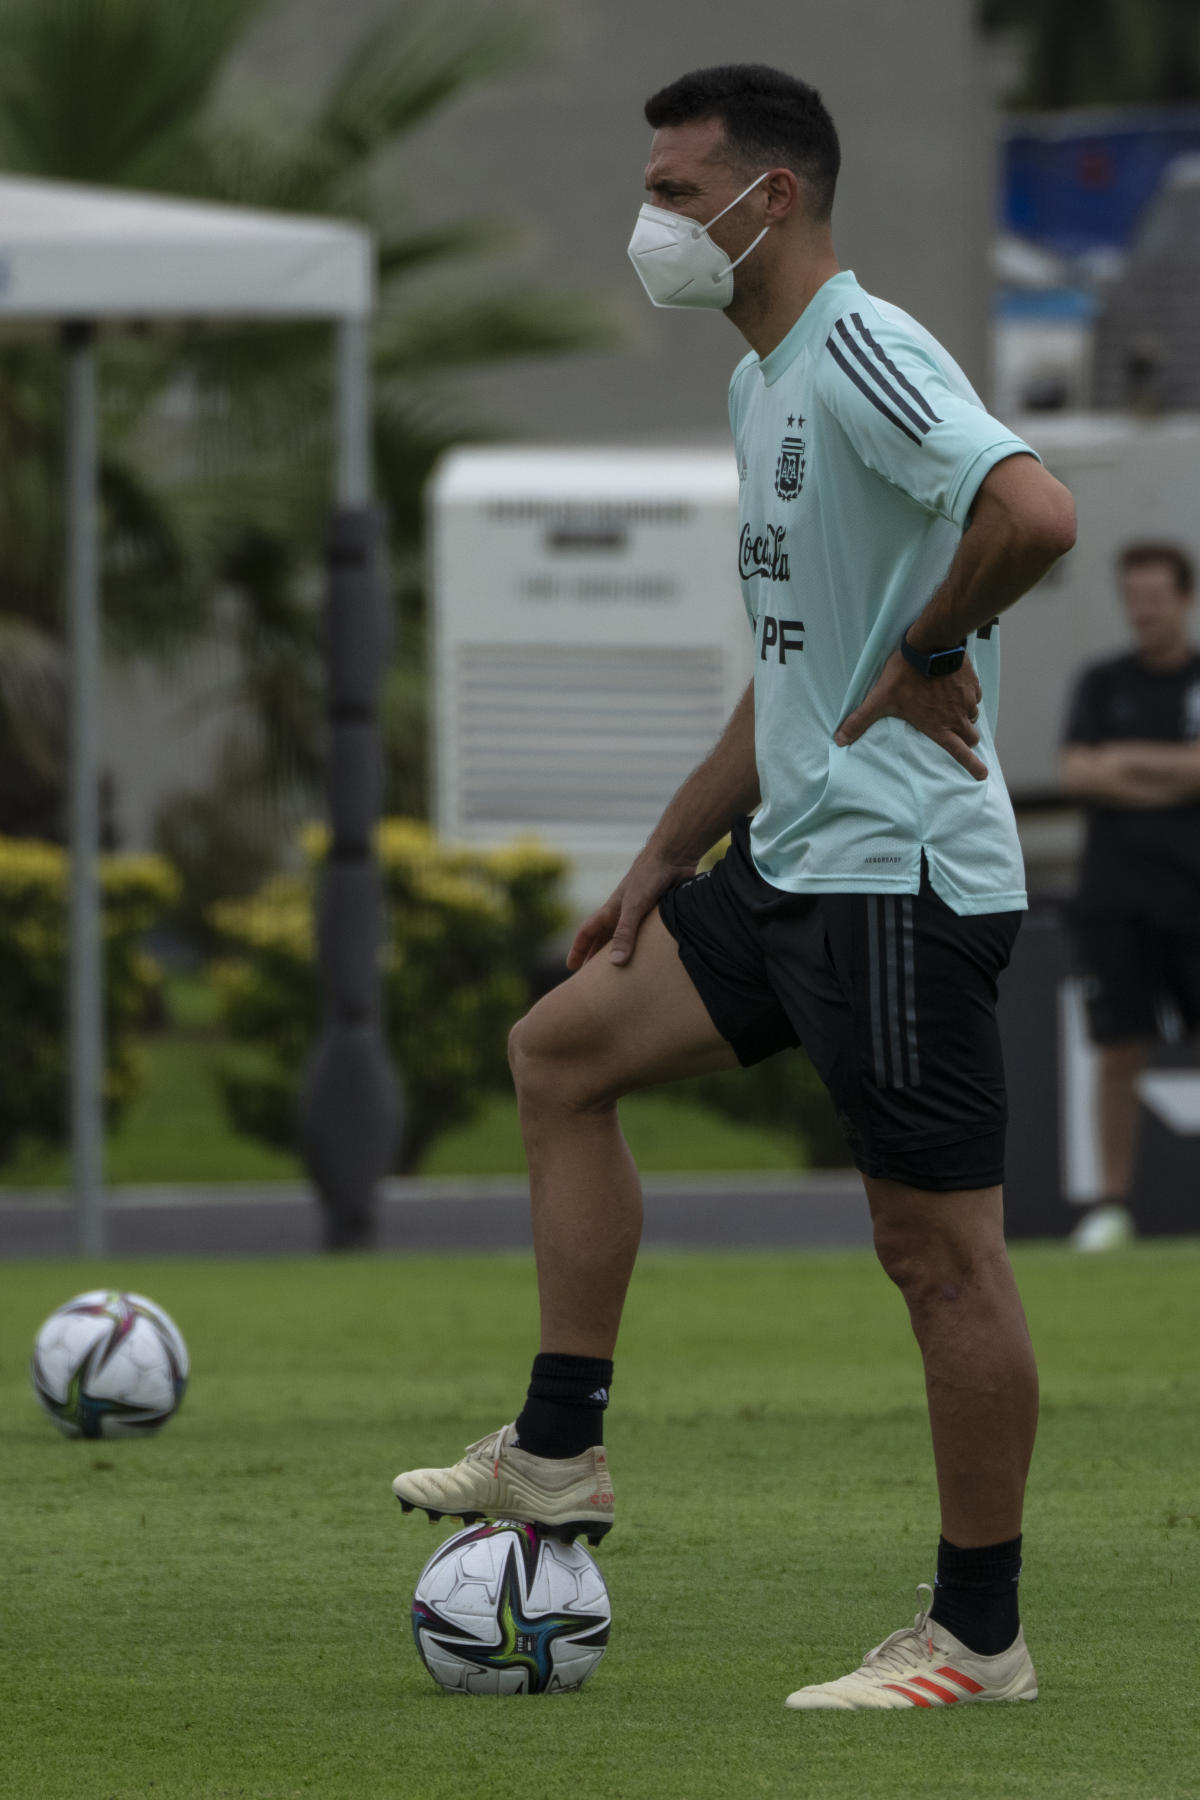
x,y
1141,860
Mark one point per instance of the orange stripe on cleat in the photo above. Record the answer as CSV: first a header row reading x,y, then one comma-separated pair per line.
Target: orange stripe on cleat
x,y
943,1693
917,1699
964,1681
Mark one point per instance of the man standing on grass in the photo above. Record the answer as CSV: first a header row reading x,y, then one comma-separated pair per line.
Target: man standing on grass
x,y
865,908
1132,754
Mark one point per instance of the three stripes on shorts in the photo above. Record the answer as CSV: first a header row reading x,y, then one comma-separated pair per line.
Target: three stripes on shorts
x,y
892,979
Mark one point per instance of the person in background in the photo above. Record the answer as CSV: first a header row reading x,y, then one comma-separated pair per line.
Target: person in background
x,y
1131,754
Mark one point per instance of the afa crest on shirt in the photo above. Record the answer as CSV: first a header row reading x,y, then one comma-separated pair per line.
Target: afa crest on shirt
x,y
789,470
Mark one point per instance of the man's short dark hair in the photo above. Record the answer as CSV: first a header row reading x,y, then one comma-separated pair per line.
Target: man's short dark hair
x,y
1143,555
770,119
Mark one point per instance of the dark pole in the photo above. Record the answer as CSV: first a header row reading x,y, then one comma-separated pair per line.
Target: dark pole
x,y
350,1110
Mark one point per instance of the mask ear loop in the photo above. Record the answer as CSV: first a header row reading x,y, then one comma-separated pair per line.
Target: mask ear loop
x,y
699,231
745,253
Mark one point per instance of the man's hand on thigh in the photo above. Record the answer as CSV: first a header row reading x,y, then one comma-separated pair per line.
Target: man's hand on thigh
x,y
612,1028
619,920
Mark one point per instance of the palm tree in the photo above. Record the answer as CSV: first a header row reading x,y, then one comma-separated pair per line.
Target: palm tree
x,y
1103,52
130,93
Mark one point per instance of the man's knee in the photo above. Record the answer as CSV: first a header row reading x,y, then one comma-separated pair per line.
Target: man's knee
x,y
936,1255
528,1052
907,1259
552,1062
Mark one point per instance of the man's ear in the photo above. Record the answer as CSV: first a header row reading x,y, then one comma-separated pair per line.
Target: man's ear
x,y
782,189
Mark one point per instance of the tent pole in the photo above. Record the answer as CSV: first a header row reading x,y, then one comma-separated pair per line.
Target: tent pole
x,y
83,640
353,404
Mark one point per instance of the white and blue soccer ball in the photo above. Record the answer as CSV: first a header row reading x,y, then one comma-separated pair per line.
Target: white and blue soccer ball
x,y
109,1365
501,1609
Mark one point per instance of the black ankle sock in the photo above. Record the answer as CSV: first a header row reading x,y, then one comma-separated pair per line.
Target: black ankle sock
x,y
563,1414
976,1594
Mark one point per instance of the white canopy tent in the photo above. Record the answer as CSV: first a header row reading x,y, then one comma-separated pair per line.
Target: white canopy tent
x,y
78,257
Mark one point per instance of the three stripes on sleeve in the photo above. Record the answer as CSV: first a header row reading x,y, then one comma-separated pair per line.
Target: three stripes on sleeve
x,y
863,359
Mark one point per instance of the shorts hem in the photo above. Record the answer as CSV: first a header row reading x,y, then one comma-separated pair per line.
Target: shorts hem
x,y
907,1164
931,1184
1107,1034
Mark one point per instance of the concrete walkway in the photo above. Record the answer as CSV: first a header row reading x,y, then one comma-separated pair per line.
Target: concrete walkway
x,y
752,1211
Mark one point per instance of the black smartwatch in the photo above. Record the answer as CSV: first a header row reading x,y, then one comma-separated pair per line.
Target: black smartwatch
x,y
937,662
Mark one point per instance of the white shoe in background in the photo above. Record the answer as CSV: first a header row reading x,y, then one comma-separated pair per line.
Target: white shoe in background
x,y
1107,1227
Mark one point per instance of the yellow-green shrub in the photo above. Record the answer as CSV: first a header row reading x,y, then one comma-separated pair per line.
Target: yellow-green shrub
x,y
465,929
34,880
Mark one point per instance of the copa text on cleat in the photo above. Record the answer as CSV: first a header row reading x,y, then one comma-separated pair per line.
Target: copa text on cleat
x,y
565,1498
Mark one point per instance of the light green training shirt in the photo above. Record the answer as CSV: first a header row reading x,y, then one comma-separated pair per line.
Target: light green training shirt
x,y
861,446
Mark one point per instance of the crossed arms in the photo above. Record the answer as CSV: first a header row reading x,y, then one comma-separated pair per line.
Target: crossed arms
x,y
1131,773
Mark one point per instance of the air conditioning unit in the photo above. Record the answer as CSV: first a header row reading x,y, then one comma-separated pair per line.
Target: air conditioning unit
x,y
589,643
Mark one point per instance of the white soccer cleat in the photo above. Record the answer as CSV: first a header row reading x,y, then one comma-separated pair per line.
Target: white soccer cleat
x,y
924,1665
1107,1227
567,1497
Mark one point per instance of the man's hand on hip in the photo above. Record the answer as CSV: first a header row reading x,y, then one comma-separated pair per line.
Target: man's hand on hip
x,y
944,707
617,922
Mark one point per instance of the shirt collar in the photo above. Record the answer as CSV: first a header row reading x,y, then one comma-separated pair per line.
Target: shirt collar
x,y
825,305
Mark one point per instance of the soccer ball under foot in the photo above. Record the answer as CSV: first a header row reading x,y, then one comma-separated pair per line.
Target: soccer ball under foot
x,y
109,1365
502,1608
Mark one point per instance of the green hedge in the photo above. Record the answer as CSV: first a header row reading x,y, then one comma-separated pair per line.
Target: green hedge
x,y
136,891
466,931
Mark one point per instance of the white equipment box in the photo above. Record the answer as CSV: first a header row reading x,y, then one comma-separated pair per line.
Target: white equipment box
x,y
589,643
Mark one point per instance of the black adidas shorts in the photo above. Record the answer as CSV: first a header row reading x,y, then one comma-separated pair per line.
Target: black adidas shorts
x,y
893,996
1141,981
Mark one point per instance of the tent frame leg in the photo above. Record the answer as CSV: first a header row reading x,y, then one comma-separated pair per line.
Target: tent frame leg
x,y
86,992
352,480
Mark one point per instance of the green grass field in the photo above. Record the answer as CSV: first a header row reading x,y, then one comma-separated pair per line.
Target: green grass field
x,y
223,1610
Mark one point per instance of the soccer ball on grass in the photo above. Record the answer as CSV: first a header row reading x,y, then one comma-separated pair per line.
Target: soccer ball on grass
x,y
109,1365
501,1609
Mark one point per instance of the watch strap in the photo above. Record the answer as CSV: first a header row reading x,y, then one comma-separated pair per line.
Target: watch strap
x,y
934,662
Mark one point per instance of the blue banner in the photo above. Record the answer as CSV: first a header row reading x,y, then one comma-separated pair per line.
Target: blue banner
x,y
1079,181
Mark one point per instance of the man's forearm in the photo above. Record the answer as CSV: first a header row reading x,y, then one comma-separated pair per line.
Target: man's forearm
x,y
1022,522
1088,772
1105,785
1174,768
1119,774
721,789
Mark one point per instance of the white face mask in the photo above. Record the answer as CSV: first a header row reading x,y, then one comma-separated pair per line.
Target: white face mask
x,y
677,262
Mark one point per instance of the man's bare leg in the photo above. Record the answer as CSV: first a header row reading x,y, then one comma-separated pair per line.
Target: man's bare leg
x,y
609,1030
946,1254
1117,1112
